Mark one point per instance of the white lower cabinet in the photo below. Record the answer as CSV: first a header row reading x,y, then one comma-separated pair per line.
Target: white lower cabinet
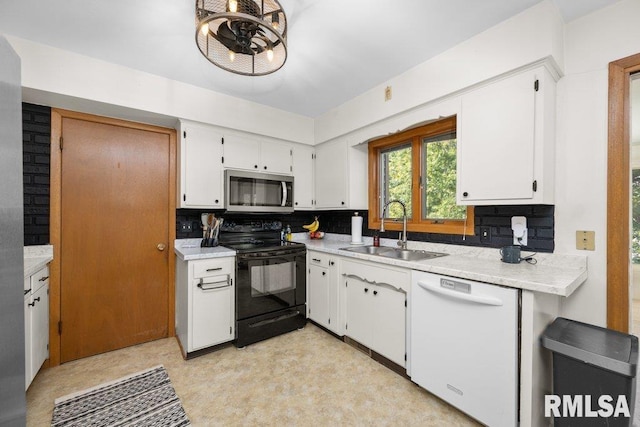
x,y
205,303
375,307
36,322
322,290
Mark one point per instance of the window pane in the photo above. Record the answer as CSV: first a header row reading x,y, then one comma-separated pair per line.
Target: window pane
x,y
439,170
395,180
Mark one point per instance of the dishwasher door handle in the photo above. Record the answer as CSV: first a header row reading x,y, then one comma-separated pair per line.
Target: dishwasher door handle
x,y
480,299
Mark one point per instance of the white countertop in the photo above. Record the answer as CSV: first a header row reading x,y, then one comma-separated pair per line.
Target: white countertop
x,y
36,257
189,249
553,274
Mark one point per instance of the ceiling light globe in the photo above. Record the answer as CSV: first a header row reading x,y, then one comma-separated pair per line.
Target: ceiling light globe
x,y
270,55
232,56
233,6
204,29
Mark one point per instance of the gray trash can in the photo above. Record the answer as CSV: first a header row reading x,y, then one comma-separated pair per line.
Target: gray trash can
x,y
591,363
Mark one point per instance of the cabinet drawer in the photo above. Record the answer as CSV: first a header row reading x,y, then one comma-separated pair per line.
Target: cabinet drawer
x,y
39,279
212,267
320,259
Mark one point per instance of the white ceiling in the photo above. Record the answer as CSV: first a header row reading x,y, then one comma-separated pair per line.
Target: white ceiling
x,y
337,49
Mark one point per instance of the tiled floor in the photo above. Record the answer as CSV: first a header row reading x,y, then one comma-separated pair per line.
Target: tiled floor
x,y
302,378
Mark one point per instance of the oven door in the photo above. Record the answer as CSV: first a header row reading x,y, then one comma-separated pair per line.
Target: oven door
x,y
270,281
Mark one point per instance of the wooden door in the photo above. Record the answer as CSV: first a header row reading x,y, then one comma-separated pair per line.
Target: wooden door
x,y
115,198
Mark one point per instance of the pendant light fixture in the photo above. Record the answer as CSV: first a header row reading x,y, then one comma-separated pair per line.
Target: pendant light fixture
x,y
246,37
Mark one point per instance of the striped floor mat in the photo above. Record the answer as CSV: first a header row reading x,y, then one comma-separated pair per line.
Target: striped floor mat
x,y
145,398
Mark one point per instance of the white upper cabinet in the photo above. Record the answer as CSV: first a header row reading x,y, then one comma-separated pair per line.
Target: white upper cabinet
x,y
341,176
251,153
303,176
506,141
201,173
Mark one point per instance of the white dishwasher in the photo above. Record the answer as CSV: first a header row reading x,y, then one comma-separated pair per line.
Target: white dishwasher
x,y
464,345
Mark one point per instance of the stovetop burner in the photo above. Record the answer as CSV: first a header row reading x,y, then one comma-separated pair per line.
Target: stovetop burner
x,y
254,236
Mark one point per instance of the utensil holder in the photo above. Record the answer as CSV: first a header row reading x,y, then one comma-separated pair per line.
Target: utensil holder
x,y
209,242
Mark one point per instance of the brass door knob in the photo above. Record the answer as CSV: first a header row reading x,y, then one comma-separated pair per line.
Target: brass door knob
x,y
161,247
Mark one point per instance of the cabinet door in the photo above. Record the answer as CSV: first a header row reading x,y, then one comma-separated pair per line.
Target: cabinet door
x,y
212,316
202,167
496,141
241,152
303,175
39,329
358,311
334,285
319,295
276,158
331,175
388,323
28,376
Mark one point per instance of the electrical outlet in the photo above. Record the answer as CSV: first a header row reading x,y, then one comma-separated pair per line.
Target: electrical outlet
x,y
186,226
519,227
485,234
586,240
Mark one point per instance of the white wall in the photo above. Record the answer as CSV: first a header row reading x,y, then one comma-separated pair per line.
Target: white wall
x,y
581,175
523,39
64,79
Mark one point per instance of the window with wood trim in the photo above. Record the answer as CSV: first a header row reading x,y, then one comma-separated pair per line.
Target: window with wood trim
x,y
418,168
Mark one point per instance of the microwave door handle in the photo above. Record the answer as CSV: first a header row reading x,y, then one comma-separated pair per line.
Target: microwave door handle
x,y
284,193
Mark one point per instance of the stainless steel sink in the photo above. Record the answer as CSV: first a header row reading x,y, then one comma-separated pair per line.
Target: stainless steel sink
x,y
387,252
369,250
411,255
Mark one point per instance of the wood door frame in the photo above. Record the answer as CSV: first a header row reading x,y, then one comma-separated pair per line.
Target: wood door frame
x,y
618,191
57,115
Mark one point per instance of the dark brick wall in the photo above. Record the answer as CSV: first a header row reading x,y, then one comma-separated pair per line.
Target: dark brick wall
x,y
497,219
36,136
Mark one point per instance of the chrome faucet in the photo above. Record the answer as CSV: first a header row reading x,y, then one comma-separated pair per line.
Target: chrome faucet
x,y
402,242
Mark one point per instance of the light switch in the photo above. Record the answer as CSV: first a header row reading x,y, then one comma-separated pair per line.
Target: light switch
x,y
586,240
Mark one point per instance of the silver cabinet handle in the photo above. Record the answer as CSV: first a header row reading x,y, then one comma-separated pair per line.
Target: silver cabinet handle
x,y
225,284
214,269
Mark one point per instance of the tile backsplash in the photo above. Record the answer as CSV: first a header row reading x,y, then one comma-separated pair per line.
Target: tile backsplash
x,y
36,152
540,224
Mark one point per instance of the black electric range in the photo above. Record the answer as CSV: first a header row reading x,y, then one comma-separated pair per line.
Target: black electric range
x,y
270,279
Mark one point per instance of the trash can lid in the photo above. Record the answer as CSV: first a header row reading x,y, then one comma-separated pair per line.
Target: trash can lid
x,y
601,347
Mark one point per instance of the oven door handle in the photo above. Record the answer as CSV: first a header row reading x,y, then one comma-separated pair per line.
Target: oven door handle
x,y
284,194
226,283
288,257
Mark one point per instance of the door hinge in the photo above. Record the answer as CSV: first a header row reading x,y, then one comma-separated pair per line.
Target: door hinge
x,y
536,85
184,197
231,331
222,159
290,168
329,320
346,326
405,303
535,186
184,134
60,143
405,357
60,327
222,139
291,152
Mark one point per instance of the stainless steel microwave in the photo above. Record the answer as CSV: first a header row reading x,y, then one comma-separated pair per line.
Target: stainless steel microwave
x,y
247,191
